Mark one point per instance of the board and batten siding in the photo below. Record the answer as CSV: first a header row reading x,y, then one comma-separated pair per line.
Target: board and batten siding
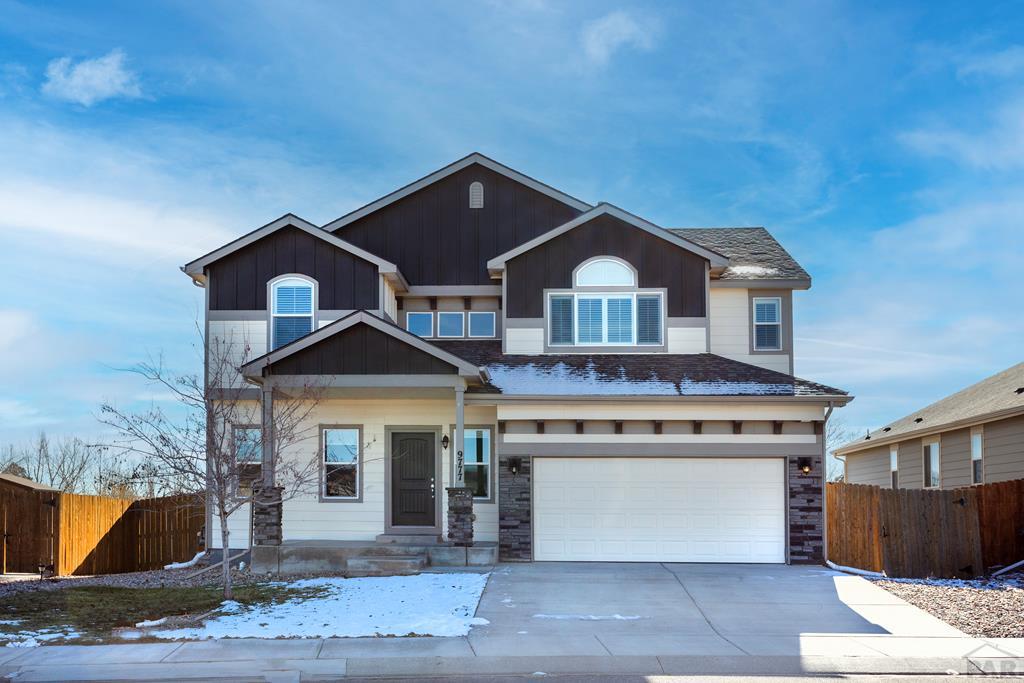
x,y
436,239
659,264
730,319
238,281
1004,449
955,458
306,517
869,467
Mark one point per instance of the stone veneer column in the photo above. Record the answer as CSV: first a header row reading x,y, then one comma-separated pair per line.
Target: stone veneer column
x,y
806,521
515,522
266,516
460,515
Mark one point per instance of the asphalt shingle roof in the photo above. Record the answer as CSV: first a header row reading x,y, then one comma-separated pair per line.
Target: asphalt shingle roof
x,y
753,253
700,374
1000,392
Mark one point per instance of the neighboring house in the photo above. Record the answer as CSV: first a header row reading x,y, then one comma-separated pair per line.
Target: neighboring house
x,y
622,391
975,436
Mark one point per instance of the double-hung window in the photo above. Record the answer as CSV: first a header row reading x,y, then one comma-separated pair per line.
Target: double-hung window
x,y
767,324
248,444
932,478
894,467
605,319
291,306
341,449
977,456
477,461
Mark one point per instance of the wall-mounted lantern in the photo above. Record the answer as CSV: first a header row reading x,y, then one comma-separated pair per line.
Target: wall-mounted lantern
x,y
804,464
514,465
444,442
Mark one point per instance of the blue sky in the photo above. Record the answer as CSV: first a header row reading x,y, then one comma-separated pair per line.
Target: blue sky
x,y
883,144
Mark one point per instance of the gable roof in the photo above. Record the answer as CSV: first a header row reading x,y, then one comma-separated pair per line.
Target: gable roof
x,y
497,264
254,368
469,160
754,254
1001,395
195,268
22,481
632,374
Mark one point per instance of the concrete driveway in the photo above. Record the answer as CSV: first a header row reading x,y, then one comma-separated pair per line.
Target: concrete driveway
x,y
698,609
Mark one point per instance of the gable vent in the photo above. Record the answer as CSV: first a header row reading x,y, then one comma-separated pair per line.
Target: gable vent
x,y
476,195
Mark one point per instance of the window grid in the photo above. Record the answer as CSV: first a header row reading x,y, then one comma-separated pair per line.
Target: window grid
x,y
767,317
292,310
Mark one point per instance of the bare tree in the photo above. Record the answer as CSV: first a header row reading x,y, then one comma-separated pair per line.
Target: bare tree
x,y
836,434
197,449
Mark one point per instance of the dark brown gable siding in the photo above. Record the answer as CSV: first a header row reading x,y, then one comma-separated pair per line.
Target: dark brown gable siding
x,y
239,280
436,239
660,264
362,350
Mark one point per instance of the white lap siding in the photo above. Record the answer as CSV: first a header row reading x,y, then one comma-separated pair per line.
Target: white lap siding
x,y
306,517
730,330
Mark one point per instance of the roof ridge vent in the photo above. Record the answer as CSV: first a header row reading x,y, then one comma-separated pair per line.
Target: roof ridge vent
x,y
918,419
1019,390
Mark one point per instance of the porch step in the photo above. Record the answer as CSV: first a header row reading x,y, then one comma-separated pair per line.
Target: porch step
x,y
409,539
385,565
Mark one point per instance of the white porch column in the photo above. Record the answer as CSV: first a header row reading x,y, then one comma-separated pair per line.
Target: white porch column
x,y
459,478
267,437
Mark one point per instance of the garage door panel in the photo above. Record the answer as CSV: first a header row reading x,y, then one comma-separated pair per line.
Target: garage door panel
x,y
659,509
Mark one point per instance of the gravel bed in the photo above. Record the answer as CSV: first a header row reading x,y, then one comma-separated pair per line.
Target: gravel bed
x,y
987,608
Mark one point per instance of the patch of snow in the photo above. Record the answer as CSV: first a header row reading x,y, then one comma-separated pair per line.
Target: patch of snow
x,y
37,638
9,622
151,623
230,607
978,584
588,617
423,604
854,570
561,379
186,565
753,271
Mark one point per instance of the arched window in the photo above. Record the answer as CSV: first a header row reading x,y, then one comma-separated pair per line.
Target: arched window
x,y
476,195
605,272
291,309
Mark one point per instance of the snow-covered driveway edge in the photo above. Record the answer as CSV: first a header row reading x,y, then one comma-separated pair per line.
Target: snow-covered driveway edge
x,y
419,605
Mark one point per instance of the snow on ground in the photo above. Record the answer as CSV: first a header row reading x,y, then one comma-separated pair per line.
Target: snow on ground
x,y
424,604
10,637
185,565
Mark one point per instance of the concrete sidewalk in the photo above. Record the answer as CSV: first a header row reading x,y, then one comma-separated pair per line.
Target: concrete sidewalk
x,y
294,660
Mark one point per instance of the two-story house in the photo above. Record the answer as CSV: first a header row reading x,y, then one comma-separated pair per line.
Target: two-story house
x,y
606,388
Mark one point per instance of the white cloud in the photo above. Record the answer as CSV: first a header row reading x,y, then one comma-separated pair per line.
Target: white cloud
x,y
91,80
1002,64
602,38
999,147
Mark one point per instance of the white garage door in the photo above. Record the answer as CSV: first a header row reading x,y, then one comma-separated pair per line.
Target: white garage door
x,y
659,509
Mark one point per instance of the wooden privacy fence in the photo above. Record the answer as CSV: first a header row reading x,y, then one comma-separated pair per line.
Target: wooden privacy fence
x,y
926,532
79,534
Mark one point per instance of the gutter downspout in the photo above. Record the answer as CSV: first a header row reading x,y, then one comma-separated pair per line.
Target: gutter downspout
x,y
824,477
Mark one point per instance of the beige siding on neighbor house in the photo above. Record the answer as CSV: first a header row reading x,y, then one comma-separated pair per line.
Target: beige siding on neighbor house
x,y
1004,449
869,467
911,466
955,454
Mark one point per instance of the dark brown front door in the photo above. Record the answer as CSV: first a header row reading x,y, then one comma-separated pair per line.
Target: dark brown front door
x,y
412,479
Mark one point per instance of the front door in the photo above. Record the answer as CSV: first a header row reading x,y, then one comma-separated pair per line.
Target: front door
x,y
413,489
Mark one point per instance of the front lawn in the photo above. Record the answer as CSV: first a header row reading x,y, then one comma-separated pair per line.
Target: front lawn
x,y
89,614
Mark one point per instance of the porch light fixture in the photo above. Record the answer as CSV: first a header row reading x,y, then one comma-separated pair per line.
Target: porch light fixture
x,y
804,464
514,464
444,442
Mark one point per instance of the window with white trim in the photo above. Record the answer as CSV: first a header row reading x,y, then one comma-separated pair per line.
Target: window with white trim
x,y
291,306
248,445
977,455
419,323
606,319
767,324
932,478
341,448
450,324
894,466
481,323
477,462
605,272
